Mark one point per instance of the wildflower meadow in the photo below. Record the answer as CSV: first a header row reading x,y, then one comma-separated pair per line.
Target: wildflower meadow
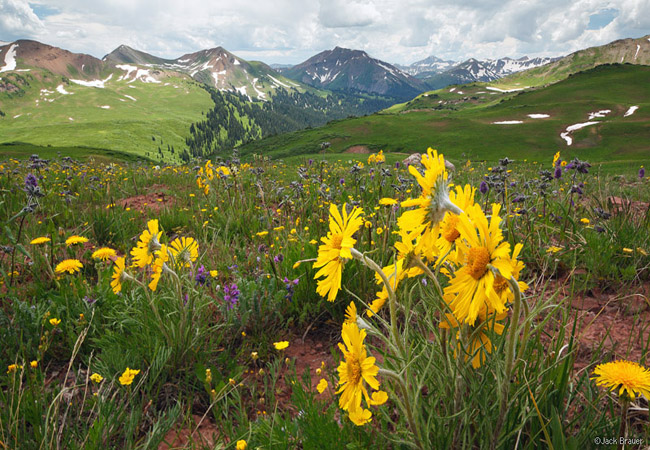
x,y
362,302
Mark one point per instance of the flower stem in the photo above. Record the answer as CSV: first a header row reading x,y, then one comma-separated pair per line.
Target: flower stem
x,y
625,403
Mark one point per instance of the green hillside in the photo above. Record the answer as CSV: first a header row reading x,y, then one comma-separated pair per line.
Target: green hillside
x,y
136,117
469,132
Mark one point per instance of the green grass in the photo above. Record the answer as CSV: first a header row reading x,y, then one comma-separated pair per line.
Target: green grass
x,y
21,150
470,134
160,116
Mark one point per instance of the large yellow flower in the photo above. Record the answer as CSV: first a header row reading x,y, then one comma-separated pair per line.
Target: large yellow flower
x,y
357,368
118,274
144,253
431,205
473,284
463,198
40,240
184,250
336,249
628,377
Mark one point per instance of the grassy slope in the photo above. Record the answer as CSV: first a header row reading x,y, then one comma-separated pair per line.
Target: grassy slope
x,y
469,133
161,111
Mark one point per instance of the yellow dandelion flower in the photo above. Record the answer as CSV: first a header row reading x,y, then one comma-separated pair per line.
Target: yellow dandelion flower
x,y
241,445
40,240
104,253
627,250
555,158
322,385
281,345
584,221
336,249
214,273
553,249
357,369
33,364
261,233
127,377
473,284
630,378
68,265
55,322
74,240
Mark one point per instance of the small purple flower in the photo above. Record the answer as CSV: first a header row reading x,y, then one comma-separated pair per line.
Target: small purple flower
x,y
31,181
558,172
231,295
311,161
483,188
201,277
261,248
278,258
397,165
642,172
89,300
425,282
290,286
518,199
342,181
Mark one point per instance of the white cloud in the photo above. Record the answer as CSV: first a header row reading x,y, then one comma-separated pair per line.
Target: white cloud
x,y
400,31
17,19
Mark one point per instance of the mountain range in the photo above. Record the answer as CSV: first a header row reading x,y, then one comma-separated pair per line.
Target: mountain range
x,y
210,100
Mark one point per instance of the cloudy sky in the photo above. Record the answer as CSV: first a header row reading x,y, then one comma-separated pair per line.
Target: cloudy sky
x,y
290,31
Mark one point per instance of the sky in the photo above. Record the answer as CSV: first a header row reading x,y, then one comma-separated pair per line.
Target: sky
x,y
291,31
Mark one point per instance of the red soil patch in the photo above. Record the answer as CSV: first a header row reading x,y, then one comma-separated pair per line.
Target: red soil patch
x,y
201,433
152,200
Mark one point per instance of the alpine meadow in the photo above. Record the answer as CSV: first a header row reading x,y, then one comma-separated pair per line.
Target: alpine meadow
x,y
209,251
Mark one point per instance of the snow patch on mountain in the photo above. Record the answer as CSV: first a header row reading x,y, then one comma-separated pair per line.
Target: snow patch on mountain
x,y
62,90
538,116
630,111
508,122
93,83
599,114
10,59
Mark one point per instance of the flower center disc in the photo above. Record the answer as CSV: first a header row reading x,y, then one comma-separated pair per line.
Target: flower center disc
x,y
450,233
354,370
477,261
337,239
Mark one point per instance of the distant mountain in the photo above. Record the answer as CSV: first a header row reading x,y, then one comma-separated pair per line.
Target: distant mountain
x,y
631,51
215,67
429,65
199,104
476,70
54,59
348,70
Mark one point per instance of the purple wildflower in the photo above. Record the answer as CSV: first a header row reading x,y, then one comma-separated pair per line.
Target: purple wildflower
x,y
290,285
342,181
89,300
558,172
278,258
231,295
483,188
397,165
201,277
311,161
642,172
31,181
